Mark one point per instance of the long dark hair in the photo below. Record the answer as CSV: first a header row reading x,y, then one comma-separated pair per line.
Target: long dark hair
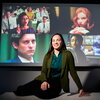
x,y
20,18
63,45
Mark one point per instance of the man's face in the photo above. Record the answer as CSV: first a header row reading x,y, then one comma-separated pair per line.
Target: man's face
x,y
8,14
44,20
27,46
73,42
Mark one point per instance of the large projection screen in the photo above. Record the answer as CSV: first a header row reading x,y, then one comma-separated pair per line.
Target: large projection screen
x,y
78,23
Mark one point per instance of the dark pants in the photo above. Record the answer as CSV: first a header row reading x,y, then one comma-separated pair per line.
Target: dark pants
x,y
33,88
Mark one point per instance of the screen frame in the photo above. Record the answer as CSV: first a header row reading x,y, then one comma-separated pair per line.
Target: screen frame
x,y
40,64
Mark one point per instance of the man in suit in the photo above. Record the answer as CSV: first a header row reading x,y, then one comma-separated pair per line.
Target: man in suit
x,y
76,41
25,45
44,26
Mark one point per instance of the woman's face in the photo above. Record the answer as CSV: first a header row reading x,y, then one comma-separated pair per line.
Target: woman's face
x,y
82,19
25,20
56,42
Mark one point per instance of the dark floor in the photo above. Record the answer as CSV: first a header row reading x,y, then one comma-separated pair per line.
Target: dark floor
x,y
65,96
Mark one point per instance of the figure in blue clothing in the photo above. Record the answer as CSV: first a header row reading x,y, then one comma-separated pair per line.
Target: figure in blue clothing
x,y
25,44
96,46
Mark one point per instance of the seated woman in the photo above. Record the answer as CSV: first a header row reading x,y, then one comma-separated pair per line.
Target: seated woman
x,y
54,75
23,27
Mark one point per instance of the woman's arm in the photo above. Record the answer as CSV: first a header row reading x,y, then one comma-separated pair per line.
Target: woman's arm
x,y
44,69
75,76
73,71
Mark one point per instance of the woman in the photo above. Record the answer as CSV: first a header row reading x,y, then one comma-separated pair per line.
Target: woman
x,y
81,21
23,27
54,75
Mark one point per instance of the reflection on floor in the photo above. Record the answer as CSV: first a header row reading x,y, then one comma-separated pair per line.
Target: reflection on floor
x,y
64,96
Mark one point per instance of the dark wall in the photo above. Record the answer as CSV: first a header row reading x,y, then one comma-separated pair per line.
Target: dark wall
x,y
11,78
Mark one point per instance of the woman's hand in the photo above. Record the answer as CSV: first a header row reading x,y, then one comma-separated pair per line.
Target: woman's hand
x,y
79,30
81,93
45,86
18,30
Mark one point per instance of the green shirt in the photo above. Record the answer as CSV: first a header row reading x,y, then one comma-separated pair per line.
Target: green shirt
x,y
56,65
